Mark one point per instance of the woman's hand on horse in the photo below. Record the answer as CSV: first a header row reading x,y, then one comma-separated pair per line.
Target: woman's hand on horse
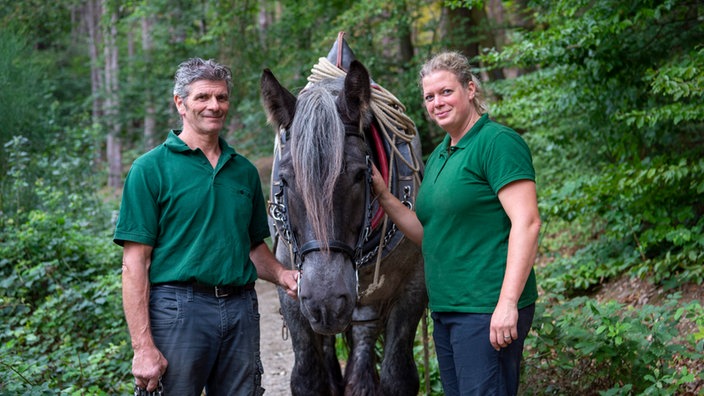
x,y
378,183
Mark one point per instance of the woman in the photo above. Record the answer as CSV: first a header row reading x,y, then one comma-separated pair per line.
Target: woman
x,y
477,221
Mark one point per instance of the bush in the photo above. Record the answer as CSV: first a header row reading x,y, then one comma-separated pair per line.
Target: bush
x,y
60,307
62,323
584,347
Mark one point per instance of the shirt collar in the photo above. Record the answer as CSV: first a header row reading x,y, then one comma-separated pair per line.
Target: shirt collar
x,y
175,144
467,137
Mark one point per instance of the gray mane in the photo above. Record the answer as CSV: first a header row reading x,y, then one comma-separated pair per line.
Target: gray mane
x,y
317,145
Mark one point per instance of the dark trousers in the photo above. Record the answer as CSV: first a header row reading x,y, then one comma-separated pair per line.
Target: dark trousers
x,y
210,342
469,365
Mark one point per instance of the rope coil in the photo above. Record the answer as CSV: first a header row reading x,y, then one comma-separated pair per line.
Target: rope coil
x,y
388,110
395,126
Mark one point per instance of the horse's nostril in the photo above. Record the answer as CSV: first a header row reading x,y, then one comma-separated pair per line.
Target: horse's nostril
x,y
340,305
334,311
315,315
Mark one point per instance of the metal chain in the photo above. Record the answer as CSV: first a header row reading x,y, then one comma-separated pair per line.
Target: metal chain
x,y
159,391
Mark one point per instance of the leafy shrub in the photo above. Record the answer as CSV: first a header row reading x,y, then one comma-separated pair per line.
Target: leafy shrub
x,y
60,308
584,347
647,221
61,314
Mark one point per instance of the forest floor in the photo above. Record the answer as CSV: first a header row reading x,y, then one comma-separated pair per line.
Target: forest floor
x,y
637,292
276,353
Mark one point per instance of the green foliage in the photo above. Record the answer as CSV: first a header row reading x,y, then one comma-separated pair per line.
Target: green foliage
x,y
62,325
581,346
59,174
23,104
648,220
464,3
427,366
681,80
610,101
615,126
609,96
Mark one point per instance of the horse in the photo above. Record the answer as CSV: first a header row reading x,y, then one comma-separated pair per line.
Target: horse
x,y
321,208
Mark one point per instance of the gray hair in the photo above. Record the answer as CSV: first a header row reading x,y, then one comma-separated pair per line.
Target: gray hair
x,y
457,64
195,69
318,144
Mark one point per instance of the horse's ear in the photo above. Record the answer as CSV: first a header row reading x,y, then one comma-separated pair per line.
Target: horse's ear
x,y
279,103
357,93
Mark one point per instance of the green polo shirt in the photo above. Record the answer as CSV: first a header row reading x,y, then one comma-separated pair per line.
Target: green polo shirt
x,y
465,229
201,221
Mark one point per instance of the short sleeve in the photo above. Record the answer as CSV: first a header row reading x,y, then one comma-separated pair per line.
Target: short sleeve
x,y
138,217
508,159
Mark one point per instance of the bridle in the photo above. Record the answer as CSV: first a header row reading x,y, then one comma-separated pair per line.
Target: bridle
x,y
378,235
278,211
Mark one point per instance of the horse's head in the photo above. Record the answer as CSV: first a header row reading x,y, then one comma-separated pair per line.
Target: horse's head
x,y
323,181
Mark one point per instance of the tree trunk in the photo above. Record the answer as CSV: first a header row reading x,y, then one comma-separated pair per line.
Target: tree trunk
x,y
473,22
405,37
112,101
92,17
521,18
150,140
507,19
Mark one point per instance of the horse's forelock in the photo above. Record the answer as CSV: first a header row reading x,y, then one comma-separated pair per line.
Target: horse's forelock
x,y
317,144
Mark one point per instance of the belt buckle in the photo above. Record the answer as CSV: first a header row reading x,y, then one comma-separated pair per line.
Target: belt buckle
x,y
222,291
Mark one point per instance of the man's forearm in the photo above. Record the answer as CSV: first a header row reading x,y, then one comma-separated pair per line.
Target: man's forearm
x,y
135,294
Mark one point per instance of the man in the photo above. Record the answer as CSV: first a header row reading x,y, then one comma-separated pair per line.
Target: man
x,y
192,223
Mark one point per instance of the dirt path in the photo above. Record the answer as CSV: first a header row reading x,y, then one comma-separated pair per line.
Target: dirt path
x,y
277,355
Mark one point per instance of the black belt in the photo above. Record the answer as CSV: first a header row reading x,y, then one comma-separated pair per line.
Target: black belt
x,y
217,291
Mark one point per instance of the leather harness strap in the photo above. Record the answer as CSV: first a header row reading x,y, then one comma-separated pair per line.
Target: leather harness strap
x,y
340,37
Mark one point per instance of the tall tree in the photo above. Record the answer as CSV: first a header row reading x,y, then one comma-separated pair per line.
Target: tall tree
x,y
91,15
111,103
150,112
470,30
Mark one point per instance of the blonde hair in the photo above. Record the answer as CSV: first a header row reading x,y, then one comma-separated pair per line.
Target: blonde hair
x,y
457,64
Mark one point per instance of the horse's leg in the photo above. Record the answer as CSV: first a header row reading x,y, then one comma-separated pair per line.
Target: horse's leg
x,y
332,365
361,378
399,374
316,370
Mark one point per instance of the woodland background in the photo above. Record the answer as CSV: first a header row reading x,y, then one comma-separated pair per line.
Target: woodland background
x,y
608,94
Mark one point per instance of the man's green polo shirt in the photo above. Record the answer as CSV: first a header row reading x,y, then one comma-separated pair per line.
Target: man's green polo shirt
x,y
465,229
201,221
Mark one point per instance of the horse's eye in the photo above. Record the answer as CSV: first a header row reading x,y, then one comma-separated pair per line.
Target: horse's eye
x,y
286,178
360,176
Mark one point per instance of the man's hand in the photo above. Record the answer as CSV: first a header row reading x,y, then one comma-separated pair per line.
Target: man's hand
x,y
270,269
148,366
288,280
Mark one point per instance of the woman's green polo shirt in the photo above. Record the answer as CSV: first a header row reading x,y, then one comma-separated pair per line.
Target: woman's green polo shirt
x,y
201,221
465,229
